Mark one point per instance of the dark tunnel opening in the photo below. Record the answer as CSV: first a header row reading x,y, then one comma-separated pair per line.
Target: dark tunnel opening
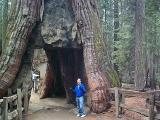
x,y
65,66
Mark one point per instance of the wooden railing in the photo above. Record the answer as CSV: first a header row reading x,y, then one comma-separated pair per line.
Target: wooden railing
x,y
120,102
11,107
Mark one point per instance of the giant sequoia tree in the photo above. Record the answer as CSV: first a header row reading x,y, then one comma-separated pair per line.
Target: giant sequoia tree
x,y
66,29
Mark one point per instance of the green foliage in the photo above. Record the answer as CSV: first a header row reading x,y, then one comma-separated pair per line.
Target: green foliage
x,y
114,78
122,51
121,55
152,33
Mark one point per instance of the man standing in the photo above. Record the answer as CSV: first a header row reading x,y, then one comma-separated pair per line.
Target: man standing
x,y
35,79
80,90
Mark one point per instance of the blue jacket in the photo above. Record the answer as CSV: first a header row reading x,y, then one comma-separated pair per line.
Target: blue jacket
x,y
80,90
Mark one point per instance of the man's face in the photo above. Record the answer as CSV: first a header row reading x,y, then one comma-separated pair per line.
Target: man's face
x,y
79,81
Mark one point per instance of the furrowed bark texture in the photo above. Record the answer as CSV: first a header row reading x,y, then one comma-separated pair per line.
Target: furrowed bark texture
x,y
139,77
22,19
89,30
23,77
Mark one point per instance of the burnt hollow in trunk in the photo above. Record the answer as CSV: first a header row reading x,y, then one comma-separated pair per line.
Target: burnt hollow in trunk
x,y
65,66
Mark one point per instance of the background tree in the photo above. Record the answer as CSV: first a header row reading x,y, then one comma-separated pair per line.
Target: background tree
x,y
152,42
126,54
3,21
108,34
139,78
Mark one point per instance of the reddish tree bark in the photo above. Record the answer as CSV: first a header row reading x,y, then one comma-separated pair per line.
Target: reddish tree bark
x,y
24,14
89,30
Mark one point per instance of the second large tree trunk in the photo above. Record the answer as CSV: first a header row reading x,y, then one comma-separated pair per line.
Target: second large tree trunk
x,y
87,17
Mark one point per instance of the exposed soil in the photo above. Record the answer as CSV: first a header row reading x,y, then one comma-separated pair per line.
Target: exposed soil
x,y
58,109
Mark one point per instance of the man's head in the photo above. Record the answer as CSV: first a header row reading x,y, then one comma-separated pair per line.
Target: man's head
x,y
78,81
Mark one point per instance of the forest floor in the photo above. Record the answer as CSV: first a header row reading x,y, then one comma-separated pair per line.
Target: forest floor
x,y
57,109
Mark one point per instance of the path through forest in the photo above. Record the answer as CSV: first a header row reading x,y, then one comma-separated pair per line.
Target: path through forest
x,y
57,109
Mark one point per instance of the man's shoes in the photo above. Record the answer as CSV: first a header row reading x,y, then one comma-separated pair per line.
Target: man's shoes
x,y
83,115
78,115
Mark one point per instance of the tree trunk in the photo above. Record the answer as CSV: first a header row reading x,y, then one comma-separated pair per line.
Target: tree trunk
x,y
1,19
139,77
22,19
116,27
24,15
23,77
87,17
3,22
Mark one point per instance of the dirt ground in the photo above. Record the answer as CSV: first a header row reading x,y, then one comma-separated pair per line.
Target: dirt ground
x,y
57,109
66,114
